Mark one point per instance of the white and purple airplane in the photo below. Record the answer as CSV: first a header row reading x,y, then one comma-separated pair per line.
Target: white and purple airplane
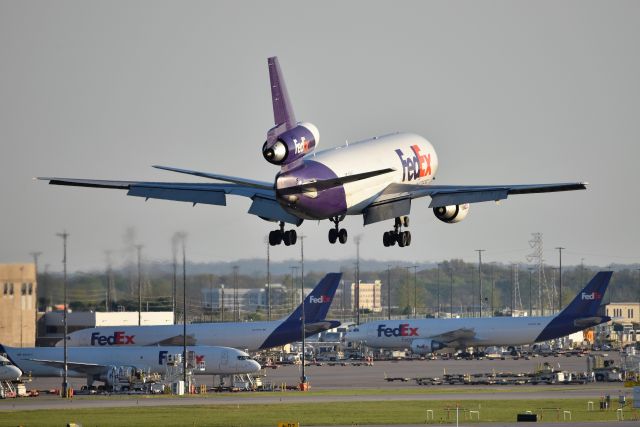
x,y
376,178
251,336
95,363
424,336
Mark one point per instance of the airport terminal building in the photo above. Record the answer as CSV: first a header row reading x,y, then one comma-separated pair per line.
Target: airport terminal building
x,y
18,304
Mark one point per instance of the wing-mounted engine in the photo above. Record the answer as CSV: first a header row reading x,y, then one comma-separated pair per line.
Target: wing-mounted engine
x,y
451,214
426,346
292,144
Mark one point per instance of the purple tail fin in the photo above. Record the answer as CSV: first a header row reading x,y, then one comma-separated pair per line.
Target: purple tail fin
x,y
283,116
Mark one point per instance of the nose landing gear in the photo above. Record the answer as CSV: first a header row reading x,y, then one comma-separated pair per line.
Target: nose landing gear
x,y
289,237
337,233
403,238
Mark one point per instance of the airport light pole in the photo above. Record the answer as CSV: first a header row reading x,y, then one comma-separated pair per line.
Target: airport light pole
x,y
560,248
294,273
480,278
451,294
65,382
357,290
438,288
184,311
139,250
303,377
268,281
222,302
530,294
389,291
236,303
415,291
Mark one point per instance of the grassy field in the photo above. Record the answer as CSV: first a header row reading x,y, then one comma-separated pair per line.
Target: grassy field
x,y
308,414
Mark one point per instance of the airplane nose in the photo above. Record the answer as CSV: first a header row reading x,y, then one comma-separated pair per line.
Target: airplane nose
x,y
16,371
253,366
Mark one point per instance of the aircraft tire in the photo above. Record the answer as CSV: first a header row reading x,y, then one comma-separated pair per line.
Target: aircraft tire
x,y
275,237
293,236
402,239
333,235
342,235
385,239
408,238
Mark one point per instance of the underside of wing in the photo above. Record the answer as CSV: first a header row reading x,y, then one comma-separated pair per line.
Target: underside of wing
x,y
395,200
455,338
264,203
88,368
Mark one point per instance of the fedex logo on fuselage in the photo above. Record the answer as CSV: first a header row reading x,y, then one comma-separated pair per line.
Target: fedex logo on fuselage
x,y
319,300
403,330
118,338
302,146
416,166
593,296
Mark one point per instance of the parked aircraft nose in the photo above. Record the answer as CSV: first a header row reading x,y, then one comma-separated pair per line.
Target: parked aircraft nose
x,y
251,366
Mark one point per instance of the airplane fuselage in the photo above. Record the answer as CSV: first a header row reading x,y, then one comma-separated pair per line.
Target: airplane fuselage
x,y
216,360
412,157
250,335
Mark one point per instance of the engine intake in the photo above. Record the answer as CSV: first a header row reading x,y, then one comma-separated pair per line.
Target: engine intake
x,y
426,346
292,144
452,213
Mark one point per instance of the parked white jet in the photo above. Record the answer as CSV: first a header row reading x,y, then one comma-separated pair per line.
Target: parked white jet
x,y
8,371
376,178
251,336
94,363
424,336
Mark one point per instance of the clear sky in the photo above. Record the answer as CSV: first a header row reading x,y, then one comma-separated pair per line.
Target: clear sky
x,y
507,92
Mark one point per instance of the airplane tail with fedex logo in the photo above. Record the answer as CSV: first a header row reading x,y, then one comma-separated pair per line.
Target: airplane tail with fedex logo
x,y
582,312
587,302
317,303
316,307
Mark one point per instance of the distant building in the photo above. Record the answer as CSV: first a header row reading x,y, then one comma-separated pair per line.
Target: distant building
x,y
370,296
52,326
625,325
18,297
249,300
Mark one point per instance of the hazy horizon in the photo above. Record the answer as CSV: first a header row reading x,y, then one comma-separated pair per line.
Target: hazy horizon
x,y
507,92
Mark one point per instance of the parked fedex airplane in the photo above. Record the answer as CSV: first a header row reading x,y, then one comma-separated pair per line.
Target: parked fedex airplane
x,y
246,335
376,178
8,371
428,335
95,363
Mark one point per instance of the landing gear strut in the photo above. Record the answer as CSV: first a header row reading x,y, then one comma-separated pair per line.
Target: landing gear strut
x,y
278,236
337,233
403,238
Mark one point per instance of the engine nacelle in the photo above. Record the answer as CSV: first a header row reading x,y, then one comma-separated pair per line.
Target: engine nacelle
x,y
292,144
452,214
426,346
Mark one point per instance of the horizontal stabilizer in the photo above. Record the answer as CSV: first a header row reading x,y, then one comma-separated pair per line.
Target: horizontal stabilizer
x,y
226,178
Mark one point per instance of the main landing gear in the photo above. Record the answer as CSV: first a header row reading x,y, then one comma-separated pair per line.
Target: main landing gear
x,y
337,233
389,238
278,236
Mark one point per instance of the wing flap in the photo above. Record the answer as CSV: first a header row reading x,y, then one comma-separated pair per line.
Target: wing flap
x,y
83,367
456,335
179,194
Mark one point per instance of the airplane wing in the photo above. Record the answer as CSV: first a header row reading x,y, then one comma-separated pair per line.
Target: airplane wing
x,y
262,194
85,368
395,200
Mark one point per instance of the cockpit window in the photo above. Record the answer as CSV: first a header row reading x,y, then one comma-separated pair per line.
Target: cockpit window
x,y
244,357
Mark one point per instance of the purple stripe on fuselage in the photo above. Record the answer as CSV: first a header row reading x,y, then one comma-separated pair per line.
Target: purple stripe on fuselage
x,y
321,205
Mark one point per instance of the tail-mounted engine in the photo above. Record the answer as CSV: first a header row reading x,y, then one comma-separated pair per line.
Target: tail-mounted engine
x,y
292,145
426,346
451,214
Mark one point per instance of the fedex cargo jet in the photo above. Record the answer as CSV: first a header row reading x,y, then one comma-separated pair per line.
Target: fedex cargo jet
x,y
424,336
377,178
251,336
95,363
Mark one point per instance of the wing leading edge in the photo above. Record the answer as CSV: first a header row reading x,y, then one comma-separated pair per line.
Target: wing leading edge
x,y
445,195
264,200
